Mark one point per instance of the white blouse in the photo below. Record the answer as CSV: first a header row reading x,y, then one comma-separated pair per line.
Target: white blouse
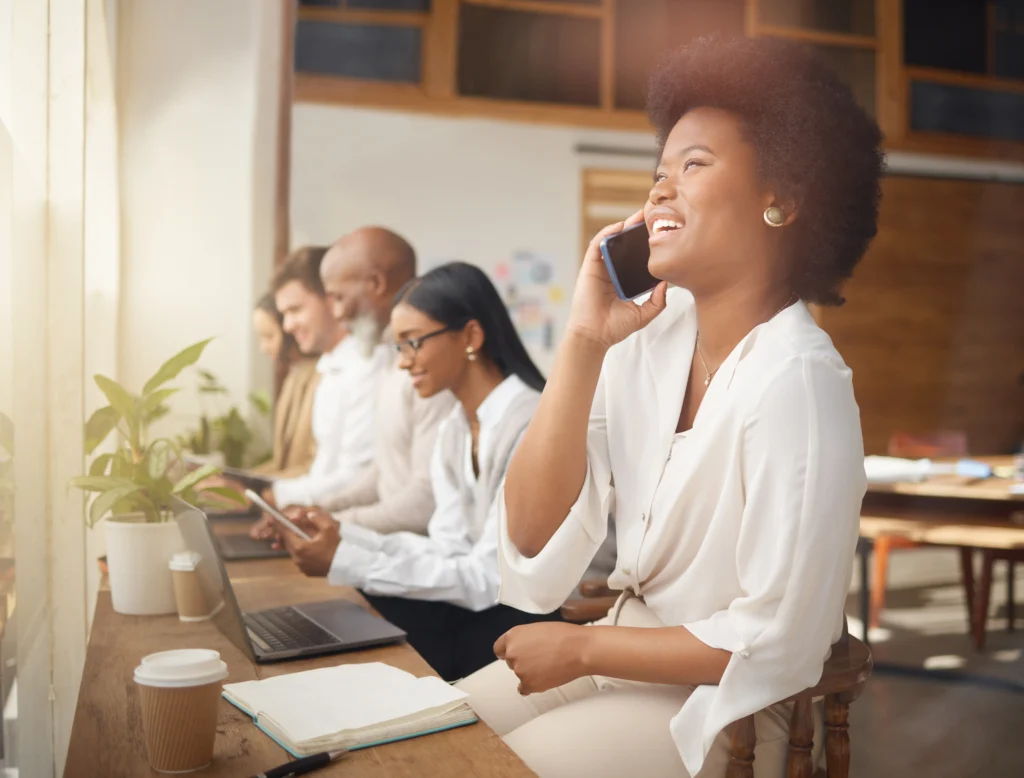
x,y
456,561
742,529
343,423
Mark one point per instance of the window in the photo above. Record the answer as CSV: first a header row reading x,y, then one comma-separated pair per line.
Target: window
x,y
654,27
856,67
375,40
843,32
540,57
964,110
950,35
963,73
379,52
842,16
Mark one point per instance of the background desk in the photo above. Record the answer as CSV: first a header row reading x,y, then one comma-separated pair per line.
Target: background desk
x,y
970,514
107,738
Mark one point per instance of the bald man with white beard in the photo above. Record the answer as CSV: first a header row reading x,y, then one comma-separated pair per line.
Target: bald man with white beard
x,y
361,274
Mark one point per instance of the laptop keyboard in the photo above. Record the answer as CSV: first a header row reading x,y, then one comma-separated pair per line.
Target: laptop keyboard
x,y
286,629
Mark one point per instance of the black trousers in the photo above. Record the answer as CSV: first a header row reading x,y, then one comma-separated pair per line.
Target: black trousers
x,y
453,640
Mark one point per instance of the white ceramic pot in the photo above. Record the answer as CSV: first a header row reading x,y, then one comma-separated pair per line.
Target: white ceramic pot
x,y
138,554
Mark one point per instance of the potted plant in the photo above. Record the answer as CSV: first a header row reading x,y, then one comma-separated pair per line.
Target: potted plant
x,y
227,439
133,486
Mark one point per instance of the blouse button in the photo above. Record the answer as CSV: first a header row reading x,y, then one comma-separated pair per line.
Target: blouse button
x,y
745,654
643,517
626,571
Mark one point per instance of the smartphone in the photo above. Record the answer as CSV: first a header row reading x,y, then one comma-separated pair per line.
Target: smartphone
x,y
625,255
279,517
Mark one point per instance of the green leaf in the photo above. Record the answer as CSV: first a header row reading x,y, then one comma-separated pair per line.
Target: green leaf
x,y
99,464
158,413
260,400
206,375
195,477
99,483
106,501
7,434
152,402
173,366
119,397
121,466
99,426
156,461
138,502
162,490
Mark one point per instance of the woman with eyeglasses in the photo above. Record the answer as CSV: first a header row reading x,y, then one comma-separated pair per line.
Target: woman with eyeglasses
x,y
452,333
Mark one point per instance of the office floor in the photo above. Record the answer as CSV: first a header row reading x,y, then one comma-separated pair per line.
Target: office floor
x,y
936,708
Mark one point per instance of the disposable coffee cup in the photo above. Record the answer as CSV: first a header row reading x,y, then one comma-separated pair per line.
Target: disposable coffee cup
x,y
179,692
188,593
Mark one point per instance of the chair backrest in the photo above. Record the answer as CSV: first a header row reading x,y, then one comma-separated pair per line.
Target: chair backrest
x,y
942,443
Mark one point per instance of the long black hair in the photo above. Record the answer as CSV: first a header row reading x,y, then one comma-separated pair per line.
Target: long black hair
x,y
458,293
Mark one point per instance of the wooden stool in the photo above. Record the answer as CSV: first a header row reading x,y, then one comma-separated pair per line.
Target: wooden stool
x,y
842,680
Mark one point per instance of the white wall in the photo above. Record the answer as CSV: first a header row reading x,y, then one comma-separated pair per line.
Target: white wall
x,y
469,189
197,122
6,19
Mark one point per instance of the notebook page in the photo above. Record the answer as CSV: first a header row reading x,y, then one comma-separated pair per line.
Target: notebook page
x,y
320,703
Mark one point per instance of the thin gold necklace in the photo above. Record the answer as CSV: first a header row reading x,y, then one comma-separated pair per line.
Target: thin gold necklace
x,y
709,374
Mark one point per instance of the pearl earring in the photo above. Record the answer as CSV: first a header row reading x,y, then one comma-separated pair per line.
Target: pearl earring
x,y
774,216
470,354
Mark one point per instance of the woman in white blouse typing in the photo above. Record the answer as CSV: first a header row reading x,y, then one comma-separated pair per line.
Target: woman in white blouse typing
x,y
452,333
720,423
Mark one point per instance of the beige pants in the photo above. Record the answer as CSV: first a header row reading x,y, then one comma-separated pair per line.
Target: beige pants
x,y
596,727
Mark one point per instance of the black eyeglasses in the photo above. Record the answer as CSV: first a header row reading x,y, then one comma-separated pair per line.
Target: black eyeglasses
x,y
410,347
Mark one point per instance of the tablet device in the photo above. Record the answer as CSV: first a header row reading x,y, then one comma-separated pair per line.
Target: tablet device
x,y
279,517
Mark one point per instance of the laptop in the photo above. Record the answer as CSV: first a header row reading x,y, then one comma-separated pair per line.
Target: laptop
x,y
236,546
283,633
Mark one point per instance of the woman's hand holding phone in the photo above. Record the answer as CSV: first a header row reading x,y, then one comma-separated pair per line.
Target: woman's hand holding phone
x,y
598,314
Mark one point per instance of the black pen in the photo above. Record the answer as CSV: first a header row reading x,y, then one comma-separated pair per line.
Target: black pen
x,y
302,766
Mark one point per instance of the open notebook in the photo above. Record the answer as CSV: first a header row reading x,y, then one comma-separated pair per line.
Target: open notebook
x,y
349,706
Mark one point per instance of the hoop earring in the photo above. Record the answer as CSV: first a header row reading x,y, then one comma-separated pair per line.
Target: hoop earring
x,y
774,216
470,354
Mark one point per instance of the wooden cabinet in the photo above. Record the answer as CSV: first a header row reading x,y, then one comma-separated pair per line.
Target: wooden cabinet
x,y
939,76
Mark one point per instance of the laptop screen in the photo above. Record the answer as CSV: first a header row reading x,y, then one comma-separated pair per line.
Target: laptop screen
x,y
213,577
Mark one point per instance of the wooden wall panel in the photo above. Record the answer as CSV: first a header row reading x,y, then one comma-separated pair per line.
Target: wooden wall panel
x,y
934,324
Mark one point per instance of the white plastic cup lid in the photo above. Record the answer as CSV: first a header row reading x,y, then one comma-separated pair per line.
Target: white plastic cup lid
x,y
185,561
181,668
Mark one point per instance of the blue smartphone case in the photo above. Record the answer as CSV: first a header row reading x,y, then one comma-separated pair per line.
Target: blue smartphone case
x,y
611,268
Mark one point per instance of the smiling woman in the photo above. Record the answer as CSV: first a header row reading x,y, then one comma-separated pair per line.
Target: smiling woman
x,y
452,334
717,421
817,160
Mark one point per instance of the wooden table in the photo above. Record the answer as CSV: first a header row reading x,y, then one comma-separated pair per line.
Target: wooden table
x,y
946,487
946,510
107,738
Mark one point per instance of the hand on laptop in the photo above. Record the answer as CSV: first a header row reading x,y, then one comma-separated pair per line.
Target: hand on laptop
x,y
313,557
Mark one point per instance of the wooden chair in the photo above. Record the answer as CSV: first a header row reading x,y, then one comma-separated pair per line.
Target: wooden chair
x,y
996,540
952,443
842,681
978,601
